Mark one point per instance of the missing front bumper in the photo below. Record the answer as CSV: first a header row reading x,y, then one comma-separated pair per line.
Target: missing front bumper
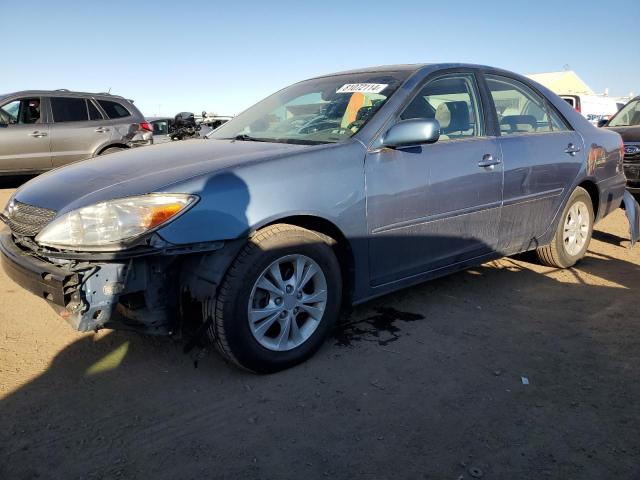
x,y
132,294
51,282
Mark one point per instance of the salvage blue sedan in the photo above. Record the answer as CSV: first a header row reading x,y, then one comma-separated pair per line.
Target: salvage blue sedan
x,y
332,191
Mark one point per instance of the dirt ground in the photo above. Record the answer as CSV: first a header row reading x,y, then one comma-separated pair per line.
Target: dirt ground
x,y
423,384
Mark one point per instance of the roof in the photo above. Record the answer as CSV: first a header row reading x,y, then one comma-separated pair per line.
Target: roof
x,y
566,81
63,92
380,68
414,67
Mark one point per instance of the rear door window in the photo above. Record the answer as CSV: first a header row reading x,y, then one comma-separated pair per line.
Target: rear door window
x,y
521,110
114,109
557,122
69,109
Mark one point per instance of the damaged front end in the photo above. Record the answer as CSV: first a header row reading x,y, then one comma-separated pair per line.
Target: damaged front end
x,y
102,265
133,291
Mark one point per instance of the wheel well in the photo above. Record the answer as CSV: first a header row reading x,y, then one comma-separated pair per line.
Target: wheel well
x,y
342,247
592,190
113,145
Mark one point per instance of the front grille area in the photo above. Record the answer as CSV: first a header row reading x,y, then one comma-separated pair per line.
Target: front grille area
x,y
632,157
632,172
26,220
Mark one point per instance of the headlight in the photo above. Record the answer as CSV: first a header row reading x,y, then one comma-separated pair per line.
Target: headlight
x,y
5,212
106,225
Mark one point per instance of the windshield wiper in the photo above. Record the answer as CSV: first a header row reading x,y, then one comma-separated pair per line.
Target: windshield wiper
x,y
294,141
248,138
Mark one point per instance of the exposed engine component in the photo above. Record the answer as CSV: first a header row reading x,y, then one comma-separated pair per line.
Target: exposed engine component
x,y
184,126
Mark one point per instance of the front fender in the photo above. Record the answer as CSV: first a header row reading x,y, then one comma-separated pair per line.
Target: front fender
x,y
326,183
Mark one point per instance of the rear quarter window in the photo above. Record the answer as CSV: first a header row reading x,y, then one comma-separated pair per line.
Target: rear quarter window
x,y
114,109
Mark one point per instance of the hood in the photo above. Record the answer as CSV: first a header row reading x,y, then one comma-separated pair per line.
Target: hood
x,y
628,134
142,170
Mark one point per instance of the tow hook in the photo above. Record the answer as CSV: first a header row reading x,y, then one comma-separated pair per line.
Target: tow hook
x,y
632,210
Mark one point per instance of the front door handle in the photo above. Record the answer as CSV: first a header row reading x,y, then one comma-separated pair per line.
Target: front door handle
x,y
572,149
488,161
38,134
102,129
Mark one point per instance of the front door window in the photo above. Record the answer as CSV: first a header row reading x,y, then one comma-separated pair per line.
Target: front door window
x,y
21,111
452,100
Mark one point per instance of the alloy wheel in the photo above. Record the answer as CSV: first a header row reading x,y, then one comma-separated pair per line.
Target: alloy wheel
x,y
576,228
287,302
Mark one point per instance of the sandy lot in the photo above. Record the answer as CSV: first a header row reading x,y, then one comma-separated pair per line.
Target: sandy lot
x,y
423,384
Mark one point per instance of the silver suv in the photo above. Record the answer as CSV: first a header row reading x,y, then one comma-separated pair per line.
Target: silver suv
x,y
40,130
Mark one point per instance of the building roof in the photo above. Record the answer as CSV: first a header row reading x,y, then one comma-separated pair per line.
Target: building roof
x,y
566,81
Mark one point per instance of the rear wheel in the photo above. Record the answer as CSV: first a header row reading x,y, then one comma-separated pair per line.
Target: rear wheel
x,y
111,150
573,234
278,301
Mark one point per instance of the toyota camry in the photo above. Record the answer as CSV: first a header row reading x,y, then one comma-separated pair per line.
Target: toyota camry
x,y
328,193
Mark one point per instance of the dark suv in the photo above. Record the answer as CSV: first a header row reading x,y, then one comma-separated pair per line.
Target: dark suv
x,y
627,123
40,130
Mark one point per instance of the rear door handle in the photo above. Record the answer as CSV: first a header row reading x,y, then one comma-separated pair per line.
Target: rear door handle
x,y
572,149
489,161
102,129
38,134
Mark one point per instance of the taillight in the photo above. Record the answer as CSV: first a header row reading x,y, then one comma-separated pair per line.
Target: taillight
x,y
146,126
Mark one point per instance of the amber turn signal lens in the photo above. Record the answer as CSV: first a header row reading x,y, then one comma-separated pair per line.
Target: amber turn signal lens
x,y
161,214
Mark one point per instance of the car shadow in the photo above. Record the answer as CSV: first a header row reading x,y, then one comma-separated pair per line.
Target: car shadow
x,y
610,238
427,382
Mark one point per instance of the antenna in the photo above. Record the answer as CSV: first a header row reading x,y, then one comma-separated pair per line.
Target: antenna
x,y
109,91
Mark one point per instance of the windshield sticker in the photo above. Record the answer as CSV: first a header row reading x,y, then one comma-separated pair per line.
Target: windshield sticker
x,y
362,88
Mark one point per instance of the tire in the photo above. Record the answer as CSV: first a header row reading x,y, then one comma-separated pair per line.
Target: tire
x,y
267,345
111,150
563,252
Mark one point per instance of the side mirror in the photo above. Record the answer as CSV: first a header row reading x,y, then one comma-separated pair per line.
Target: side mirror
x,y
408,133
602,122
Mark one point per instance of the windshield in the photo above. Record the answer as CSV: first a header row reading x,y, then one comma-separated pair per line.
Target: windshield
x,y
629,115
10,111
321,110
160,127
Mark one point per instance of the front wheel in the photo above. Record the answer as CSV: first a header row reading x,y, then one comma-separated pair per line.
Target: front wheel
x,y
573,234
278,301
